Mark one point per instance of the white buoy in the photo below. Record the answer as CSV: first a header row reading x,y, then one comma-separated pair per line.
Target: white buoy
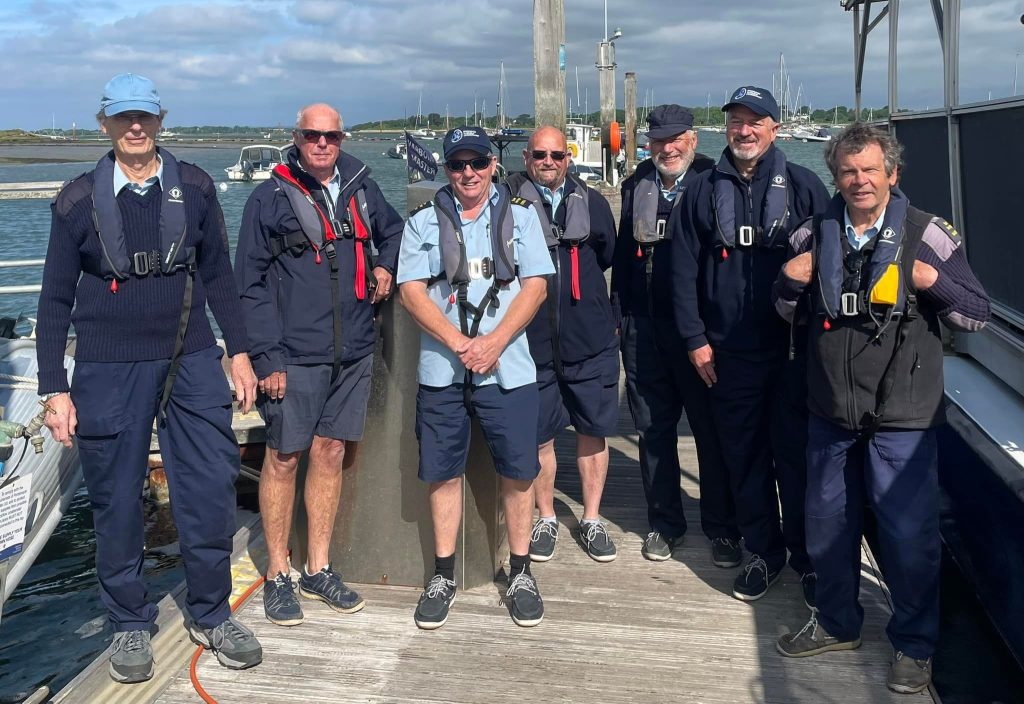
x,y
223,186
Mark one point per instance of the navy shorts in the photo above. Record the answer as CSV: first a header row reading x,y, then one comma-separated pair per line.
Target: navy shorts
x,y
312,405
587,397
508,419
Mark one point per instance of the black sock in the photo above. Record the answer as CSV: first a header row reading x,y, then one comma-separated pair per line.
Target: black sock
x,y
445,566
517,564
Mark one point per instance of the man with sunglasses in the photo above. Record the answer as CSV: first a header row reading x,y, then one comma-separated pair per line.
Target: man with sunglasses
x,y
471,272
660,382
309,290
728,245
137,248
875,276
572,339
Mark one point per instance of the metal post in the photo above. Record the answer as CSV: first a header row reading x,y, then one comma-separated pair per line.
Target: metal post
x,y
630,121
606,86
549,63
894,11
951,72
857,63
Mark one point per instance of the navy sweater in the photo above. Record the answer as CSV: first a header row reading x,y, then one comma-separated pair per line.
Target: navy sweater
x,y
140,321
287,299
629,278
727,302
587,326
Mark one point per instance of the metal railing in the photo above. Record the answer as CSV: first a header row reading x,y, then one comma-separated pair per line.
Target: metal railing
x,y
26,288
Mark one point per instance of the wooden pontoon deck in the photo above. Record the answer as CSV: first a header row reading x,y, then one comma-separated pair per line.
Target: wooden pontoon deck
x,y
628,631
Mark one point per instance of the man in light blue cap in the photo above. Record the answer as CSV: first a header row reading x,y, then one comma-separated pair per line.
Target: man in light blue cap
x,y
137,248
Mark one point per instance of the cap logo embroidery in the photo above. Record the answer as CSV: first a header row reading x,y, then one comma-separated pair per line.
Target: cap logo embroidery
x,y
739,94
456,136
754,94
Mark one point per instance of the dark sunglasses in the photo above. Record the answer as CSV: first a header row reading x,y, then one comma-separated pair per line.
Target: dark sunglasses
x,y
540,155
478,164
332,136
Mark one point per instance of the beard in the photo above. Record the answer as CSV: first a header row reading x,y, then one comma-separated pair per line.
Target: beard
x,y
671,173
746,152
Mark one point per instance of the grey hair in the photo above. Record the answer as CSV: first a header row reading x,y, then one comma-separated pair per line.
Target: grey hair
x,y
101,116
855,138
302,111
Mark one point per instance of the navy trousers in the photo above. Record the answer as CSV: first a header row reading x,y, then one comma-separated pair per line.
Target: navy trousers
x,y
660,384
897,471
759,410
116,404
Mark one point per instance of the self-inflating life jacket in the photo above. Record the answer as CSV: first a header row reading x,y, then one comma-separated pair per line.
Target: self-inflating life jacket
x,y
118,265
648,228
319,232
770,233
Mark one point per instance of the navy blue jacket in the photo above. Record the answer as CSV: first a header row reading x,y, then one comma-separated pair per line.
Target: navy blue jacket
x,y
588,325
287,300
727,302
629,280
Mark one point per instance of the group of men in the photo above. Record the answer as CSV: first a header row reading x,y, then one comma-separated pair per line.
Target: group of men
x,y
804,351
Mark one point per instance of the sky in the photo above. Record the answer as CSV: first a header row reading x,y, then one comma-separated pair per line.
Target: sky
x,y
255,62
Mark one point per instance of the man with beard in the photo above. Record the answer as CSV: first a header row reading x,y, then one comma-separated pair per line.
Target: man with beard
x,y
572,339
727,248
660,381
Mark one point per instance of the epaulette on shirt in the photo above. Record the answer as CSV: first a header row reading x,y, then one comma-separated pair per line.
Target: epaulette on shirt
x,y
519,200
950,231
70,192
423,206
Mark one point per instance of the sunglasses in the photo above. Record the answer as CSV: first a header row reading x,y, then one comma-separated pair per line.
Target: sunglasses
x,y
477,164
332,136
540,155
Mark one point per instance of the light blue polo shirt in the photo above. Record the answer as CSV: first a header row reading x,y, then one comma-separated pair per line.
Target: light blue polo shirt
x,y
858,242
420,258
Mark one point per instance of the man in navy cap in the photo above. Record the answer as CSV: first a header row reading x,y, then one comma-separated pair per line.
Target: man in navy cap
x,y
660,381
471,272
728,246
308,289
137,248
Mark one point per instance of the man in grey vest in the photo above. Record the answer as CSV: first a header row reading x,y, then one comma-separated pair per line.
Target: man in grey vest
x,y
660,382
572,338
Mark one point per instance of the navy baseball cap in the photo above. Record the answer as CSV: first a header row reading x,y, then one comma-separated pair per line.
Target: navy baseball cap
x,y
127,92
471,138
667,121
760,100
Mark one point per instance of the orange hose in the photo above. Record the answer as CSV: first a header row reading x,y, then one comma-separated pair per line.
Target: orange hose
x,y
199,649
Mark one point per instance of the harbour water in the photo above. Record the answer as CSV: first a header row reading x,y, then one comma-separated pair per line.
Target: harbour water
x,y
54,624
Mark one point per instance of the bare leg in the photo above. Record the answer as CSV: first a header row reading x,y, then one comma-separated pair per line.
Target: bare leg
x,y
592,459
544,484
517,498
323,491
446,512
277,497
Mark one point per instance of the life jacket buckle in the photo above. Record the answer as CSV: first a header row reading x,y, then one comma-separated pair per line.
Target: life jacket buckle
x,y
745,236
850,304
660,228
480,268
144,263
343,228
330,250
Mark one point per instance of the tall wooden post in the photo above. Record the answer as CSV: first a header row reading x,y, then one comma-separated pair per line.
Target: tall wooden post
x,y
630,122
549,63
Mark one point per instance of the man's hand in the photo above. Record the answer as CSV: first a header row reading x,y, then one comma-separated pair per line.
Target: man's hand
x,y
383,290
703,360
482,353
61,418
273,386
924,275
244,380
799,268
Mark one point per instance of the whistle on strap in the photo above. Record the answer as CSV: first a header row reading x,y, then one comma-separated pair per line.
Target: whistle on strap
x,y
886,291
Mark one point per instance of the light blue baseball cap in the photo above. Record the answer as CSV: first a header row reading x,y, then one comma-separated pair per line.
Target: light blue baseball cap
x,y
127,92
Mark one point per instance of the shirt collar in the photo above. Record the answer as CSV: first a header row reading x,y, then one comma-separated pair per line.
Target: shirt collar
x,y
859,240
493,198
121,180
670,193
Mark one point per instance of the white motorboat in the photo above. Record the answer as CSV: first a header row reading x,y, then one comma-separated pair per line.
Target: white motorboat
x,y
255,163
38,476
398,151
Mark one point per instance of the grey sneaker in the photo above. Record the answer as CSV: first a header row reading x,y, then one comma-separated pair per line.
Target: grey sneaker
x,y
326,585
659,548
726,552
235,645
907,675
131,657
810,640
279,602
524,599
542,540
596,540
435,602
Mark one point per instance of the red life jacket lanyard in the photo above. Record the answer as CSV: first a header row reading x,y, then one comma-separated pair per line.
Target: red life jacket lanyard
x,y
361,234
575,259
